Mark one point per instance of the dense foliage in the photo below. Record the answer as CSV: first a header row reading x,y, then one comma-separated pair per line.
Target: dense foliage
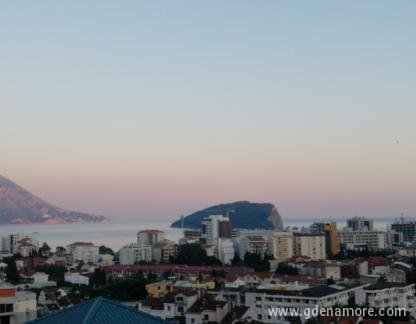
x,y
194,254
256,262
56,273
285,269
105,250
12,275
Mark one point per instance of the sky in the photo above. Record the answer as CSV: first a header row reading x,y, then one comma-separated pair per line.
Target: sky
x,y
159,108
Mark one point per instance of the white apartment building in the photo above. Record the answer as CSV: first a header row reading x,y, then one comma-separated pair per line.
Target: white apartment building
x,y
386,295
134,253
257,244
356,240
215,227
83,251
282,246
149,237
16,306
310,245
259,300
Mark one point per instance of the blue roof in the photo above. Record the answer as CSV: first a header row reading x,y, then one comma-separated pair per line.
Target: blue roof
x,y
99,311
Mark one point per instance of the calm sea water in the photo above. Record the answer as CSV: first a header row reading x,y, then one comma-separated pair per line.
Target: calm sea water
x,y
118,232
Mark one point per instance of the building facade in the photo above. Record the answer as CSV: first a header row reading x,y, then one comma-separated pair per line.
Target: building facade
x,y
134,253
359,240
282,246
149,237
310,245
83,251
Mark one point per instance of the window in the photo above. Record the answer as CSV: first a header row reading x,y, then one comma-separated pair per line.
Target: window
x,y
192,320
206,317
6,308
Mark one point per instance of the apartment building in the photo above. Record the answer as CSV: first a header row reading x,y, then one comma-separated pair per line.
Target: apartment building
x,y
134,253
386,295
358,240
254,244
83,251
282,246
311,245
260,300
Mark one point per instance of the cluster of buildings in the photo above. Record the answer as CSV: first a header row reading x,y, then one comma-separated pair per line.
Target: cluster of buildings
x,y
319,276
246,296
151,246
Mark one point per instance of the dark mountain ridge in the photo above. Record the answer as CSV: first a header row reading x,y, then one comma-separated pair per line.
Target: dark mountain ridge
x,y
242,214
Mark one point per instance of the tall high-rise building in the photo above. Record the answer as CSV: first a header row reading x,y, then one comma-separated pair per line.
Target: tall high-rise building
x,y
282,246
215,227
216,230
331,236
360,224
407,227
149,237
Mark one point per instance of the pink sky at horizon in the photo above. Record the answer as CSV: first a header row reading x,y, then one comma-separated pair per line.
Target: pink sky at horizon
x,y
160,109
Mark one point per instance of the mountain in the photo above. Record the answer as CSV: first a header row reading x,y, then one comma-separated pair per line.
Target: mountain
x,y
19,206
242,214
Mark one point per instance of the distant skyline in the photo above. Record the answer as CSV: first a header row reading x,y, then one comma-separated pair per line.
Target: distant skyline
x,y
157,109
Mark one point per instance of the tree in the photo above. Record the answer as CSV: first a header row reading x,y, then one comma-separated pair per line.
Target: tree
x,y
236,261
98,278
105,250
12,275
252,260
45,249
194,254
285,269
56,273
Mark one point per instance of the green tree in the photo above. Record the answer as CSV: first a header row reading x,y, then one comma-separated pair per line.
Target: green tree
x,y
56,273
105,250
45,249
236,261
285,269
12,275
252,260
194,254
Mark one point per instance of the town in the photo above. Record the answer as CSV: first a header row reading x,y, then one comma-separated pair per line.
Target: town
x,y
218,274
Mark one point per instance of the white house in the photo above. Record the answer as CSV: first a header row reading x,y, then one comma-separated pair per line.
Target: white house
x,y
76,278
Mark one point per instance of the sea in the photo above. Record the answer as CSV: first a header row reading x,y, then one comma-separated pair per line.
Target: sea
x,y
119,232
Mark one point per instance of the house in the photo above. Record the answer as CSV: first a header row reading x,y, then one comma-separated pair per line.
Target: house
x,y
170,306
76,278
159,289
98,310
40,280
207,310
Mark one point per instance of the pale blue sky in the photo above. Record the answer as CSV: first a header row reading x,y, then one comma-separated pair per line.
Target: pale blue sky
x,y
157,108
